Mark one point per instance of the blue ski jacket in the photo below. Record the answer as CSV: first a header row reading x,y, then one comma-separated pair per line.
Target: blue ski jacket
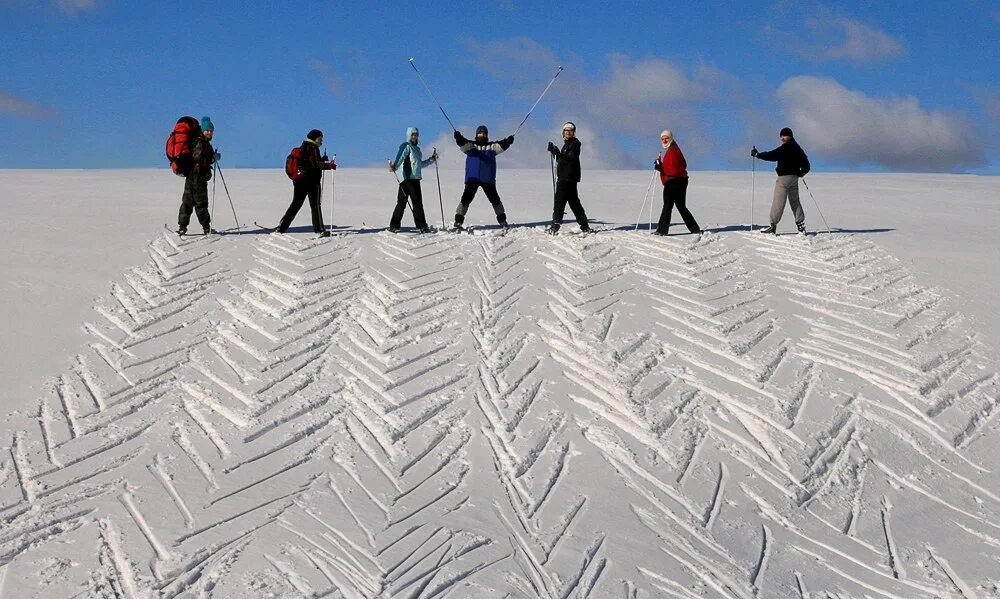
x,y
481,159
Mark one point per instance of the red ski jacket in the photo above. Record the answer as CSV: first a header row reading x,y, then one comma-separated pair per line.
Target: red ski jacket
x,y
673,164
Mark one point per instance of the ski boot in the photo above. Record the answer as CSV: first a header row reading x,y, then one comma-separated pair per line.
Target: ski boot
x,y
552,230
182,231
393,229
770,230
801,227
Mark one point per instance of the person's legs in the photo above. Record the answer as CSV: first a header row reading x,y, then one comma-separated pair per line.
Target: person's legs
x,y
494,197
680,200
663,227
397,214
187,203
298,197
793,201
201,203
559,205
779,199
576,206
471,187
417,198
316,206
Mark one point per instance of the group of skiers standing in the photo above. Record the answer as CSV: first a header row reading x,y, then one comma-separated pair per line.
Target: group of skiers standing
x,y
481,172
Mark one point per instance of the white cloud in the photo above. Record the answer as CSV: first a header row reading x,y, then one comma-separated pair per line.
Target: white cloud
x,y
75,6
12,105
827,35
850,127
863,44
618,106
333,82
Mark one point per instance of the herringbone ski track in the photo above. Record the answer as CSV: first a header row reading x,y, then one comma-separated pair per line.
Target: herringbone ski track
x,y
382,415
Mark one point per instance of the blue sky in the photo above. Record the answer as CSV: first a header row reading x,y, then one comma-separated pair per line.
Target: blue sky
x,y
871,86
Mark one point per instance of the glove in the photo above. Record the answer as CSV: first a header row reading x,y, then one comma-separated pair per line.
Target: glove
x,y
217,156
552,148
509,140
658,164
754,152
434,155
392,166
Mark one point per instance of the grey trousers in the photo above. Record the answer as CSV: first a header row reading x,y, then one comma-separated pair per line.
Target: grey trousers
x,y
787,187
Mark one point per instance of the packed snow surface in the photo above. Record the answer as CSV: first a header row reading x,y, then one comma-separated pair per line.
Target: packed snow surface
x,y
486,415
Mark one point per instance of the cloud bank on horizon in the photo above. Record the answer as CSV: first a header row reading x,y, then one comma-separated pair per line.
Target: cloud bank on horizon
x,y
862,88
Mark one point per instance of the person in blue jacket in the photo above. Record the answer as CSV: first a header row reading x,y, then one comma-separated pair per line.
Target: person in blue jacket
x,y
481,171
409,158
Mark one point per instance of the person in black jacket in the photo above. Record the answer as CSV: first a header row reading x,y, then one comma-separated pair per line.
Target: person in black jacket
x,y
312,166
792,164
567,177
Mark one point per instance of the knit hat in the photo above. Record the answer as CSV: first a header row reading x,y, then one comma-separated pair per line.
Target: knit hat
x,y
482,129
786,131
314,134
410,131
206,124
569,125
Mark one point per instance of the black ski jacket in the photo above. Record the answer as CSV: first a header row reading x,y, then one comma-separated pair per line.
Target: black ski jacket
x,y
568,161
791,159
311,165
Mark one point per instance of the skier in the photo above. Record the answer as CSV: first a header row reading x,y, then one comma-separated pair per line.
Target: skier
x,y
312,165
195,196
567,176
792,164
409,157
481,171
674,176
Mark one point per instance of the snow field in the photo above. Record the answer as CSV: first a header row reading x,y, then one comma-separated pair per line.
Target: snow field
x,y
618,415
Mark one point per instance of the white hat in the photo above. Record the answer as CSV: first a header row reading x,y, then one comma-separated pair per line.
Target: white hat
x,y
569,125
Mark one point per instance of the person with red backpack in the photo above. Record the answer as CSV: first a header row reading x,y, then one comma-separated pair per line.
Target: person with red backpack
x,y
305,167
196,167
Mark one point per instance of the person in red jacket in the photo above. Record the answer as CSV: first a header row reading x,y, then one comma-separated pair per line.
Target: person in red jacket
x,y
674,176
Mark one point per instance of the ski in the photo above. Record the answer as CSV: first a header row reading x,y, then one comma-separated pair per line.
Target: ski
x,y
268,229
179,234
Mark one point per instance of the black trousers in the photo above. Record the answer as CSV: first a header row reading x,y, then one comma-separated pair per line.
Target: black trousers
x,y
195,200
301,190
490,189
409,188
675,194
566,193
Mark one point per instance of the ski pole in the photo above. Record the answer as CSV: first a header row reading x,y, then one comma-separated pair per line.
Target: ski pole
x,y
427,87
644,197
437,174
753,186
825,224
333,180
214,179
545,91
231,205
553,175
651,210
398,182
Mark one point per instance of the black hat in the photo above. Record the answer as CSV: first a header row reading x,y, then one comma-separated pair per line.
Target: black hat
x,y
482,129
315,134
786,131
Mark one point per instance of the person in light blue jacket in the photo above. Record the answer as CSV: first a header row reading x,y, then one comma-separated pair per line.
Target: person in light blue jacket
x,y
409,159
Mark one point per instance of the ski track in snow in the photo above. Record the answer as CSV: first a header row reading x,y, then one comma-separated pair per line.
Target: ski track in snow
x,y
480,415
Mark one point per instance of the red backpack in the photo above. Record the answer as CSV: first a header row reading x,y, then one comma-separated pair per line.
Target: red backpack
x,y
179,144
293,164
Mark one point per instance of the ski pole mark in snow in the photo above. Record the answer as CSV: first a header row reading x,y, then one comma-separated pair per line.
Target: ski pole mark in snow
x,y
519,415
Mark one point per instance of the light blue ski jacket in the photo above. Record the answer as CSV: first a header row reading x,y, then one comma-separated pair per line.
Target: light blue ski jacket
x,y
409,158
